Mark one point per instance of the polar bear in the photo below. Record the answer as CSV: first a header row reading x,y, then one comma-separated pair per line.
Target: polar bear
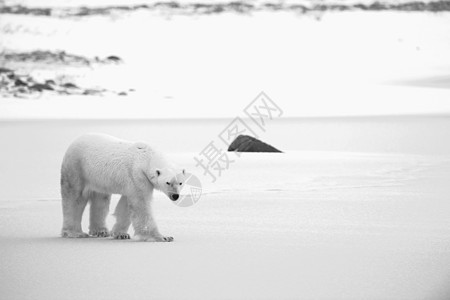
x,y
98,165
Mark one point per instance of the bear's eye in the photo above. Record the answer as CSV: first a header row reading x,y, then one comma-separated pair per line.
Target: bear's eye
x,y
168,183
181,183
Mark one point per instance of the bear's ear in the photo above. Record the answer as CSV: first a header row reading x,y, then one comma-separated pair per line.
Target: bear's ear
x,y
158,172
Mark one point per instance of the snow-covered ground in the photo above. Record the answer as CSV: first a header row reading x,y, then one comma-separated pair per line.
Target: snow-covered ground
x,y
357,207
316,224
344,63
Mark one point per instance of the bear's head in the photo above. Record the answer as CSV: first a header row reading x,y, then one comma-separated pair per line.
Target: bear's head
x,y
169,181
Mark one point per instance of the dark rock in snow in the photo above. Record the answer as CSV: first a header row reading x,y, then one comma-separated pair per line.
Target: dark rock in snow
x,y
92,92
19,85
114,58
19,82
5,70
70,85
40,87
245,143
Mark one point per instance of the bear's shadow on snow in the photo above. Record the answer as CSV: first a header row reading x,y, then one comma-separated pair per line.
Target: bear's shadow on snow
x,y
53,240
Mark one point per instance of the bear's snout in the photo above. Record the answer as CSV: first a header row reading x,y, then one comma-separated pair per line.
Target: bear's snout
x,y
174,197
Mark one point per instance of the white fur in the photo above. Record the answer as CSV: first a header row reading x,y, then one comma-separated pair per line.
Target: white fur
x,y
96,166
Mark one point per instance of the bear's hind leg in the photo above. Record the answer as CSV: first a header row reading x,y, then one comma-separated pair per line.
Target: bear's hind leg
x,y
98,213
123,220
73,200
73,205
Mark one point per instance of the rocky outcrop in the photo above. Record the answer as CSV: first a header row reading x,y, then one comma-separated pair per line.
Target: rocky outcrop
x,y
246,143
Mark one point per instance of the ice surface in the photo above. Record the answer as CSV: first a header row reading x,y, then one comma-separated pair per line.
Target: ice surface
x,y
303,225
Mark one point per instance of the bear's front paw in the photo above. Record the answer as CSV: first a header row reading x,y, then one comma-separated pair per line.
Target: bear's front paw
x,y
156,238
121,236
167,239
103,232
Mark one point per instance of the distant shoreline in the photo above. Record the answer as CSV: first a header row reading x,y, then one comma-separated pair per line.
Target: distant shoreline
x,y
385,117
239,7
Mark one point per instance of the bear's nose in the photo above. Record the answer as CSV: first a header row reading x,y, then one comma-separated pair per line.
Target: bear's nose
x,y
175,197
